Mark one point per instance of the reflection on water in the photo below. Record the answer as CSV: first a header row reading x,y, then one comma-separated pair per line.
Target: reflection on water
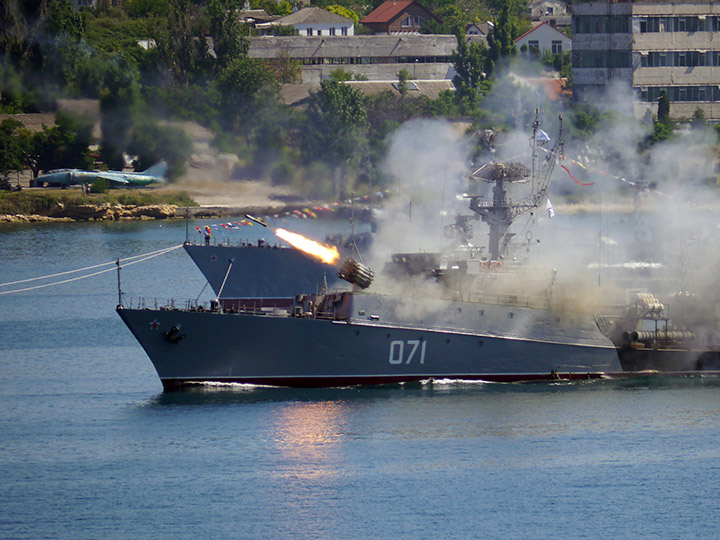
x,y
308,436
229,394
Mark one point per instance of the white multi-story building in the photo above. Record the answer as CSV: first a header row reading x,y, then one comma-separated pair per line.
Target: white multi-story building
x,y
652,46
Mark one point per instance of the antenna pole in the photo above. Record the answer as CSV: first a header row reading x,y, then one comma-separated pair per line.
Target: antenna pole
x,y
117,262
187,225
352,223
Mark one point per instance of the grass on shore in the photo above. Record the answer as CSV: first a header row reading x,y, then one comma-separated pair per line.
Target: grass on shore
x,y
41,201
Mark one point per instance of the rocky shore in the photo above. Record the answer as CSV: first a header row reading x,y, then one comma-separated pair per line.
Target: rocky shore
x,y
95,212
60,212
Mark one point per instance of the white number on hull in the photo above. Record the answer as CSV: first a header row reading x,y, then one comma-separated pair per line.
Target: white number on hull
x,y
397,351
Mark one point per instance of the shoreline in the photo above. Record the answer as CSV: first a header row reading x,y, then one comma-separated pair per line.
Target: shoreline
x,y
82,211
106,212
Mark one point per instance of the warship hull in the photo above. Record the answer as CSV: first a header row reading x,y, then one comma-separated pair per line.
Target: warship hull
x,y
195,347
260,271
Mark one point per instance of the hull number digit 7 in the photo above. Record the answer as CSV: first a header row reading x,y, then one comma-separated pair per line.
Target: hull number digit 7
x,y
398,348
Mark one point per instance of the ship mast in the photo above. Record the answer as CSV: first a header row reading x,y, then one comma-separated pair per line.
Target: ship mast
x,y
500,213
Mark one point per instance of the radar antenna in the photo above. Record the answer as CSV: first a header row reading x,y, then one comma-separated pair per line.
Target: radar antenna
x,y
500,213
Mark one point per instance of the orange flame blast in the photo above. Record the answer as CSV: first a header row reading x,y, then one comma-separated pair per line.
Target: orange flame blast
x,y
327,254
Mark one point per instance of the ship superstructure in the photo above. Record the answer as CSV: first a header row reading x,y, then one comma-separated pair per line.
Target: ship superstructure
x,y
459,314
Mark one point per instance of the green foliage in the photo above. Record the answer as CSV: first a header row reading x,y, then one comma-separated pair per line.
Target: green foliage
x,y
272,7
284,30
386,111
663,107
228,34
699,120
99,185
245,85
145,8
41,201
286,69
182,44
344,12
403,77
662,131
152,143
338,124
471,62
11,151
584,121
63,146
501,40
64,20
341,75
118,101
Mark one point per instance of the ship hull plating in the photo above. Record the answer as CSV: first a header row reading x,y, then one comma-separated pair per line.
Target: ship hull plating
x,y
309,352
260,272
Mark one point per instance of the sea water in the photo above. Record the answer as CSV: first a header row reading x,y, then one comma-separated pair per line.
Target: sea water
x,y
91,448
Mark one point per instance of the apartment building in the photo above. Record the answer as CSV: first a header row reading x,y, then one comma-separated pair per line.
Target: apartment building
x,y
652,46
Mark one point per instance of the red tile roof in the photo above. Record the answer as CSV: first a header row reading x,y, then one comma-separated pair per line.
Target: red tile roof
x,y
387,11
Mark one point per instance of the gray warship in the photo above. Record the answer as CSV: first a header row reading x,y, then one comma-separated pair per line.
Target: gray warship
x,y
452,315
268,270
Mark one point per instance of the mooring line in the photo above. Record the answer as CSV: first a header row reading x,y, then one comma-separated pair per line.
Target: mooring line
x,y
145,257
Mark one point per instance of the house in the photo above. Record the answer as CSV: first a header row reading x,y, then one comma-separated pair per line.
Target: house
x,y
313,21
254,17
544,38
479,30
554,12
651,46
547,8
377,58
398,16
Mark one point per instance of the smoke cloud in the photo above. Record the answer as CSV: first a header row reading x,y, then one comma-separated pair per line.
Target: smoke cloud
x,y
629,216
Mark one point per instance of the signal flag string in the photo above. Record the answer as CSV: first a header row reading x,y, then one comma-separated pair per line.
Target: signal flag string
x,y
140,258
576,180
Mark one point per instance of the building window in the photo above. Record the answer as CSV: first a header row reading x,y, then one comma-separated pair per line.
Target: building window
x,y
649,24
332,31
344,31
309,32
407,22
556,47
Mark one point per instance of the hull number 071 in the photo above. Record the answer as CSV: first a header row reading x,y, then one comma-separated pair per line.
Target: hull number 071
x,y
404,352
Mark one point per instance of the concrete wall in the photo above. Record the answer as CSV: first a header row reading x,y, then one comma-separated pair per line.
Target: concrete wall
x,y
588,80
379,72
375,57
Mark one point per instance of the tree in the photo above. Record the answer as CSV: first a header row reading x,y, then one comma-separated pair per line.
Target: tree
x,y
501,41
63,20
10,146
344,12
403,77
152,142
62,146
663,114
699,120
228,34
118,100
338,124
470,60
286,69
182,43
244,85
